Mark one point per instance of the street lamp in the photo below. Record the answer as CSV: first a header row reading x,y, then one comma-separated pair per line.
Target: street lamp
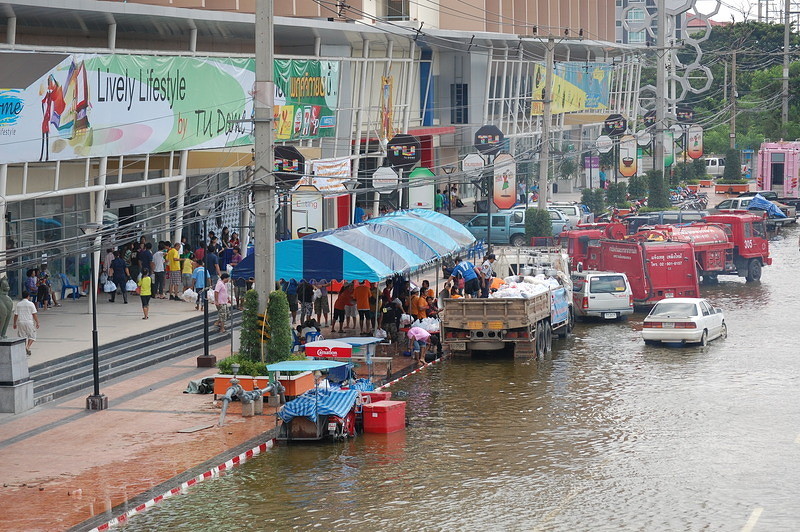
x,y
449,169
96,401
206,360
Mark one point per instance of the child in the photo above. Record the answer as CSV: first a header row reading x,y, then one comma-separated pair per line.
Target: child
x,y
145,291
43,293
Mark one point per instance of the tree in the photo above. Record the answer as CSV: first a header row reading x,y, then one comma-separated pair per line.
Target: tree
x,y
537,223
250,335
279,345
699,168
733,166
594,199
616,194
659,195
637,187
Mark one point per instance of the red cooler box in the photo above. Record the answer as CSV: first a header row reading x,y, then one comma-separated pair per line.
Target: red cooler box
x,y
384,417
374,397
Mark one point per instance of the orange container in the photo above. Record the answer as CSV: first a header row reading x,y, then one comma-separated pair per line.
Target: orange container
x,y
223,382
297,384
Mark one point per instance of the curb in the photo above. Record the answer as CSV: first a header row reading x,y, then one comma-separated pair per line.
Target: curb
x,y
388,384
211,473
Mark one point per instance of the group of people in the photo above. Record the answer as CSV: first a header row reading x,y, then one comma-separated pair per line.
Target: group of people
x,y
446,199
40,289
467,280
175,268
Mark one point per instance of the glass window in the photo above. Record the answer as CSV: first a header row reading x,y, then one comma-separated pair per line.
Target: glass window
x,y
748,230
607,284
778,157
760,229
706,308
725,204
692,217
674,310
670,217
554,215
480,221
635,15
637,36
518,218
498,220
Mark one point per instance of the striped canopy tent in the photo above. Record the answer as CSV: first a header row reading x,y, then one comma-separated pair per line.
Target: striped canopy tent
x,y
397,243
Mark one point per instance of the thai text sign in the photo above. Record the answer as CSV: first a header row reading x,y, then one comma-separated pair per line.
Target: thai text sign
x,y
306,96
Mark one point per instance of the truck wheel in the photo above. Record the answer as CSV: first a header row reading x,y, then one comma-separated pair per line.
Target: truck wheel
x,y
710,278
753,271
548,338
518,241
539,346
704,339
566,329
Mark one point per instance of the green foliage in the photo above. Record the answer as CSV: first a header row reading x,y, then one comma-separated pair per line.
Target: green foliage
x,y
699,168
682,173
250,336
645,210
637,186
659,194
733,165
616,194
724,181
279,345
568,167
247,366
594,199
537,223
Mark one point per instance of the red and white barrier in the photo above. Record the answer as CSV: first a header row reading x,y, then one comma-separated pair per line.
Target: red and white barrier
x,y
215,472
388,384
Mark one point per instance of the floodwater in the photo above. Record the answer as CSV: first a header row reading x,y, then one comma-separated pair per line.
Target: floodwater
x,y
606,435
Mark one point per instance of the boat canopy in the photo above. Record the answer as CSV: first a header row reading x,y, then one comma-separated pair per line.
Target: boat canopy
x,y
304,365
397,243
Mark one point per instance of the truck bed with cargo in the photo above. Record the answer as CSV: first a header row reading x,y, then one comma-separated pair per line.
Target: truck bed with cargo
x,y
496,323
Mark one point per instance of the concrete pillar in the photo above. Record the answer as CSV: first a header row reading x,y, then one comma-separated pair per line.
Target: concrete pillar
x,y
258,405
248,409
16,387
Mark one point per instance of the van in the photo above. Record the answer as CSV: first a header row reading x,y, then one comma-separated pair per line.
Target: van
x,y
715,166
638,221
605,295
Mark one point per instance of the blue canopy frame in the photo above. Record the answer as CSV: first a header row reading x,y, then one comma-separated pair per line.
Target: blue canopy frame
x,y
396,243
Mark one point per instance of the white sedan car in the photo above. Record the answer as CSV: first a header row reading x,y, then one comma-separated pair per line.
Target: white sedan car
x,y
684,320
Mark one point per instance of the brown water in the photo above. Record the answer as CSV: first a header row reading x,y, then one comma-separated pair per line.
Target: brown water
x,y
608,435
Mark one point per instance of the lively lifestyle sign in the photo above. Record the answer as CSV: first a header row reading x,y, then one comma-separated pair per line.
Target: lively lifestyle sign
x,y
93,105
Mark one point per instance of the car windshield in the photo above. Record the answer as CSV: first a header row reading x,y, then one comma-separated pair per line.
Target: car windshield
x,y
672,308
608,284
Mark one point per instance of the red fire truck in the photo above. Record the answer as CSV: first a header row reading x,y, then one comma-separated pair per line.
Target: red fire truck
x,y
667,261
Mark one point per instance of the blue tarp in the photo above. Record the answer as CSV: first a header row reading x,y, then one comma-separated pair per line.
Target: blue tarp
x,y
763,204
304,365
319,403
374,250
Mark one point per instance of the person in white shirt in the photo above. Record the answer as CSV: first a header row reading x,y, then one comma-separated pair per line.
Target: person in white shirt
x,y
159,271
26,321
486,274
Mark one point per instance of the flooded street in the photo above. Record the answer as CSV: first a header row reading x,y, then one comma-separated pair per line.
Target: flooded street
x,y
607,435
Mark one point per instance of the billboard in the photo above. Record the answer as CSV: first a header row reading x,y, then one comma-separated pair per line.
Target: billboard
x,y
577,86
306,96
95,105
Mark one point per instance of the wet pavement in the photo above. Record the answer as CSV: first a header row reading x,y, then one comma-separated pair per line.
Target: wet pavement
x,y
608,434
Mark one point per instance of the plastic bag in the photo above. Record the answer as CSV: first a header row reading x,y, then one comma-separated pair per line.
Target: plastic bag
x,y
189,295
379,333
109,287
130,286
103,278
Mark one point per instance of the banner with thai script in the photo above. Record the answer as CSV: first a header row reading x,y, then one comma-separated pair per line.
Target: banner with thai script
x,y
91,105
577,86
306,96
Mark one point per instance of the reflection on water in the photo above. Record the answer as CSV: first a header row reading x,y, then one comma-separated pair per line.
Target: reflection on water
x,y
607,435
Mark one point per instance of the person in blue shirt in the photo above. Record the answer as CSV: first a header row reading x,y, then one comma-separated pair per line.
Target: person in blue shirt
x,y
199,283
358,214
467,271
290,287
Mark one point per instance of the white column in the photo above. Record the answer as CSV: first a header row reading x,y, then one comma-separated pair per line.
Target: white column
x,y
181,199
99,208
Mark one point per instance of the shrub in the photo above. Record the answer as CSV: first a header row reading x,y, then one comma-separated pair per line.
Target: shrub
x,y
250,336
594,199
726,181
659,195
616,194
279,345
637,187
699,167
733,165
537,223
247,366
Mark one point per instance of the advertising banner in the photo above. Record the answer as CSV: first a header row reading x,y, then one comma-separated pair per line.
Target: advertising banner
x,y
505,181
577,86
669,148
91,105
627,156
330,175
306,211
694,141
387,127
420,196
306,96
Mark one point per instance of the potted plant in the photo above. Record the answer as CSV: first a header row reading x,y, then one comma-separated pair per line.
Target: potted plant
x,y
731,186
249,373
538,227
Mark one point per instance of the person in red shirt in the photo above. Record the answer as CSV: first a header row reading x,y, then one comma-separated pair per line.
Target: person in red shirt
x,y
361,293
344,298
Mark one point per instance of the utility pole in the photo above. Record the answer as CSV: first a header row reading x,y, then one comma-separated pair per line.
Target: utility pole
x,y
785,96
661,82
733,99
547,117
263,177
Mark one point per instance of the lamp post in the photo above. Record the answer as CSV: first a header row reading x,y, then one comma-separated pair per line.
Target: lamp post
x,y
206,360
449,169
96,401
